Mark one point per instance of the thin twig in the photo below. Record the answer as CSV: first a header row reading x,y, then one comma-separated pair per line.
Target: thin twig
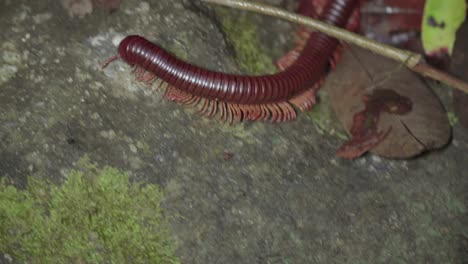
x,y
412,60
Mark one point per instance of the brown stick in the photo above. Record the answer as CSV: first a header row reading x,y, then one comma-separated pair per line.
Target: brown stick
x,y
412,60
433,73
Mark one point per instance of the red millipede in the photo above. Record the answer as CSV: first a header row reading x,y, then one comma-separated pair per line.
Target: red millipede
x,y
238,97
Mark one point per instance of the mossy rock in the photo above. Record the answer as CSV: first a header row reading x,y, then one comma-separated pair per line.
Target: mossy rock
x,y
241,32
95,216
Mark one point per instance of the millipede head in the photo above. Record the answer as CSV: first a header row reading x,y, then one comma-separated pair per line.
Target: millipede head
x,y
122,50
124,45
134,49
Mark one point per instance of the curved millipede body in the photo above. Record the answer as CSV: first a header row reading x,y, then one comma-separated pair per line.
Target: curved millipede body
x,y
237,97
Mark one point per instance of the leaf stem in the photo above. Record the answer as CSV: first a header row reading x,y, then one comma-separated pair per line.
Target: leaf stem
x,y
412,60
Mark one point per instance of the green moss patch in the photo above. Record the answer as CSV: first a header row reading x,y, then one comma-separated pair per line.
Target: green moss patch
x,y
324,118
241,31
96,216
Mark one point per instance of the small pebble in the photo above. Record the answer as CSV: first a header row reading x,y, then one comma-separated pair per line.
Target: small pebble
x,y
133,148
117,39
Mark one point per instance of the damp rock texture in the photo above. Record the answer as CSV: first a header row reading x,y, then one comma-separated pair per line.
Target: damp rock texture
x,y
246,193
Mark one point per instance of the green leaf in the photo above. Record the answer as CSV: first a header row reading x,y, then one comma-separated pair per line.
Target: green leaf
x,y
440,23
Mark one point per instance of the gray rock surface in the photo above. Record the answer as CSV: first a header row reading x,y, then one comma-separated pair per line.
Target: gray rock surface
x,y
283,197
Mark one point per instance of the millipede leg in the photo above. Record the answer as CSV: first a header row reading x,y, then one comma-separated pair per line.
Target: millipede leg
x,y
222,116
306,99
149,78
109,61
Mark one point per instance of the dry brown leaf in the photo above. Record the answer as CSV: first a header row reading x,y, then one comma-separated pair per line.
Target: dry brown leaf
x,y
359,74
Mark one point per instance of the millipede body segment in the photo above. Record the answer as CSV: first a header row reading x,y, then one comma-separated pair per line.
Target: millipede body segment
x,y
238,97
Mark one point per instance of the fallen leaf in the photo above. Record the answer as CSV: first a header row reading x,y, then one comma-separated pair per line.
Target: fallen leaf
x,y
358,75
365,131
